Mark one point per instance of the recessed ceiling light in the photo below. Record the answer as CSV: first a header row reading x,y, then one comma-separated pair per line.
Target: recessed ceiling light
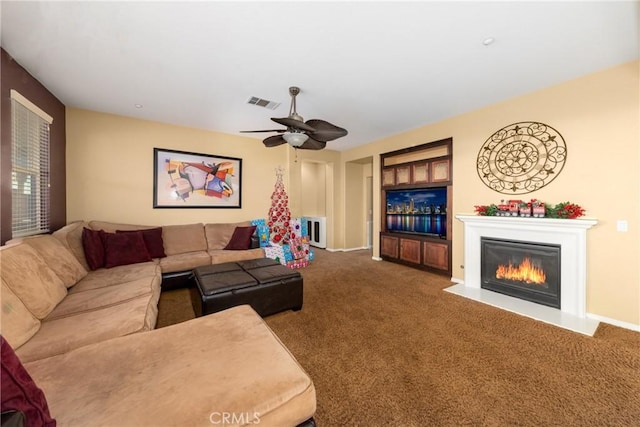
x,y
488,41
137,105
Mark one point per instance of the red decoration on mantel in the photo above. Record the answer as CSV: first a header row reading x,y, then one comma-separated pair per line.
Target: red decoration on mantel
x,y
533,208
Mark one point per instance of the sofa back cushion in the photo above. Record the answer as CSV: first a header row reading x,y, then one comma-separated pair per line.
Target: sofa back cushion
x,y
18,324
124,249
30,278
71,237
112,227
219,235
93,245
58,258
179,239
152,240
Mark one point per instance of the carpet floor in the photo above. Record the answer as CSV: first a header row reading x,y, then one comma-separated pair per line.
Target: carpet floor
x,y
385,346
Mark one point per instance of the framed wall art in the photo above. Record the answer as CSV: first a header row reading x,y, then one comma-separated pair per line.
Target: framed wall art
x,y
193,180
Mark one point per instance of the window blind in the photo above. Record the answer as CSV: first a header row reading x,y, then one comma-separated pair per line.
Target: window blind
x,y
30,167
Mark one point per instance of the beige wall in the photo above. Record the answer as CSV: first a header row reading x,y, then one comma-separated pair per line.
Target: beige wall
x,y
599,117
110,169
334,190
314,182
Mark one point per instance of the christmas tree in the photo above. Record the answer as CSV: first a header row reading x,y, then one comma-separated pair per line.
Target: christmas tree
x,y
279,215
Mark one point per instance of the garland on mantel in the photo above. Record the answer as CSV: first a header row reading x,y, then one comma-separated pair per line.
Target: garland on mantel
x,y
533,208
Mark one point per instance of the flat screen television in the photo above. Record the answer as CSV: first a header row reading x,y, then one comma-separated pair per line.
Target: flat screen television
x,y
418,211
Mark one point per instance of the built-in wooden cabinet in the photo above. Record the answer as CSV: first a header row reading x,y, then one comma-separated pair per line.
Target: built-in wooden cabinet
x,y
423,167
410,250
416,251
436,255
389,246
416,174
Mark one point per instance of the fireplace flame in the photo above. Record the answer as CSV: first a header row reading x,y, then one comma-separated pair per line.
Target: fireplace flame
x,y
524,272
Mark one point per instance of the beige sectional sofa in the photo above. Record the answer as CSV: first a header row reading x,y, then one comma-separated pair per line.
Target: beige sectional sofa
x,y
87,337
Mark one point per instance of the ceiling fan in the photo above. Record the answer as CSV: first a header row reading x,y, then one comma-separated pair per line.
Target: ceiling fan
x,y
309,135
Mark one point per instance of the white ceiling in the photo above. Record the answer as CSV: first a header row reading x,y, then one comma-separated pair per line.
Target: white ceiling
x,y
374,68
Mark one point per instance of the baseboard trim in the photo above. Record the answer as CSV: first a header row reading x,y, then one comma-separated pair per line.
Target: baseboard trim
x,y
354,249
614,322
346,249
376,258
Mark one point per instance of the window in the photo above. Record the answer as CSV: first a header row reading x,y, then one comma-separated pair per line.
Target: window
x,y
30,167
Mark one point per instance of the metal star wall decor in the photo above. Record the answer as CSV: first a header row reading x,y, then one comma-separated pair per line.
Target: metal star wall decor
x,y
521,158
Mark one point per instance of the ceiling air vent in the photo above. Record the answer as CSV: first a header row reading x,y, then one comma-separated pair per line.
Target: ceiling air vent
x,y
263,103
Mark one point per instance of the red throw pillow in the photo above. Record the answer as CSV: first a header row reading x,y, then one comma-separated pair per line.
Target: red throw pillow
x,y
93,245
19,392
241,238
124,249
152,240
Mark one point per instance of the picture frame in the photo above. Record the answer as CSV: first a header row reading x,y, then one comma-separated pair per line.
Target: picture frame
x,y
183,179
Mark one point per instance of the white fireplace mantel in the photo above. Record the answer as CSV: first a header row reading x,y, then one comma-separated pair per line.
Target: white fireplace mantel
x,y
569,234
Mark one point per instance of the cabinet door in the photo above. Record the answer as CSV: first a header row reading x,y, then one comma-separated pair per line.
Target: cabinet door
x,y
410,250
389,246
388,177
403,175
440,171
420,173
436,255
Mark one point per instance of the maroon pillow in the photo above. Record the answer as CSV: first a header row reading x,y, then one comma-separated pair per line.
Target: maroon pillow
x,y
92,243
241,238
19,392
152,240
124,249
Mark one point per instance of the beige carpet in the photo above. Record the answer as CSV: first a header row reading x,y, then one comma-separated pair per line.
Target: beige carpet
x,y
385,346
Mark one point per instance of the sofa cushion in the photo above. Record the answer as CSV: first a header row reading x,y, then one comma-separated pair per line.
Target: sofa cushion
x,y
124,249
241,238
219,235
18,324
219,256
93,245
79,302
179,239
184,262
62,335
115,276
30,278
58,258
152,240
19,392
71,237
229,362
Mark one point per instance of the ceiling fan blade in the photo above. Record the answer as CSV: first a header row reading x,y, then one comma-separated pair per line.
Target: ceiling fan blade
x,y
312,144
264,130
274,141
293,123
325,131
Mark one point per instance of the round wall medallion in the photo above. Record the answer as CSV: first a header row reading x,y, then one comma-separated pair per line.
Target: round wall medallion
x,y
521,158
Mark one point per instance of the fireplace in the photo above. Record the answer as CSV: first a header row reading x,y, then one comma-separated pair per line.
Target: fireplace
x,y
525,270
543,236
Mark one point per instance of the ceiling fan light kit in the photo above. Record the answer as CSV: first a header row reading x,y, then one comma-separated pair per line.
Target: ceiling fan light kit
x,y
309,135
295,139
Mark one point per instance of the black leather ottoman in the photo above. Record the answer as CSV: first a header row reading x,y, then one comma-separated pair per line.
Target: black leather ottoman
x,y
263,283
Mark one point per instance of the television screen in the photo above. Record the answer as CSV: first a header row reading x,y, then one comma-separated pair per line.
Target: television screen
x,y
421,211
